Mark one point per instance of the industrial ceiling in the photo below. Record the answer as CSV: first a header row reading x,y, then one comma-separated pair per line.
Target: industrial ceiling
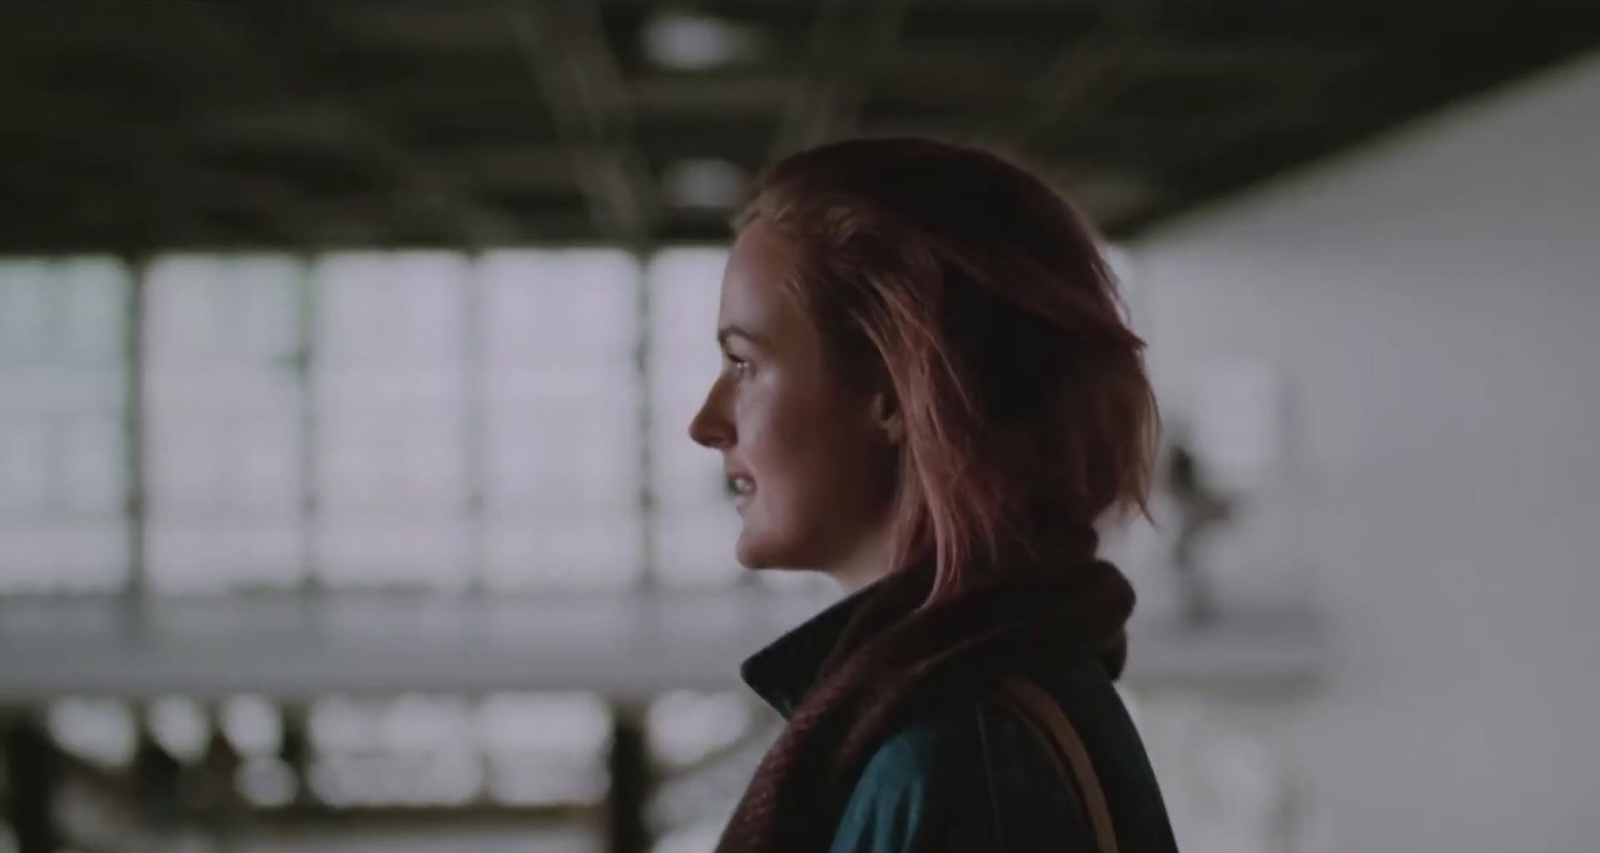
x,y
137,127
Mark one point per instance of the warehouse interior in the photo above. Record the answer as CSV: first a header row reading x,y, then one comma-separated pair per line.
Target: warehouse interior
x,y
347,353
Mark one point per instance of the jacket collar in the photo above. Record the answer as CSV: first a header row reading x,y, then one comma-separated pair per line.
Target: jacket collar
x,y
783,671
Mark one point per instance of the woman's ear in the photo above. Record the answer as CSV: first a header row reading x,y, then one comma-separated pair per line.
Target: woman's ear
x,y
886,416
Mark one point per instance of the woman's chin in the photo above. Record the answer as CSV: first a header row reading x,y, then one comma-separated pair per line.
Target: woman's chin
x,y
749,553
755,552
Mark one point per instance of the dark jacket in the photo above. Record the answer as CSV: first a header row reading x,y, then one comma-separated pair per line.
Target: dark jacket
x,y
975,778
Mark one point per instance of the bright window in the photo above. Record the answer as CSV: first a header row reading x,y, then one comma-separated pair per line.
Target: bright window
x,y
63,453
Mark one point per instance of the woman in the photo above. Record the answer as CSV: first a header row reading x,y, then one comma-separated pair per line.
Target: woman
x,y
929,393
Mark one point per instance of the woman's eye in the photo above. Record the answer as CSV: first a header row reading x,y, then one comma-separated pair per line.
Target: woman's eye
x,y
739,366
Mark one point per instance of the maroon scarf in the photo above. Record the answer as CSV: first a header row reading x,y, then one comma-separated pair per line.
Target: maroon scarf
x,y
897,661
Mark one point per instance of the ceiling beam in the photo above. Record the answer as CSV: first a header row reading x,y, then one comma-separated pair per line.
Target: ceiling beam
x,y
570,59
509,167
1083,76
714,96
847,38
273,64
172,194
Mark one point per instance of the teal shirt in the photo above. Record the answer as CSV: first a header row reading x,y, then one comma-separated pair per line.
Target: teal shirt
x,y
975,777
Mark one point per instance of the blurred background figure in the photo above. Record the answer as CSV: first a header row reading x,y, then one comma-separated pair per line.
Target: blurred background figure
x,y
347,350
1199,509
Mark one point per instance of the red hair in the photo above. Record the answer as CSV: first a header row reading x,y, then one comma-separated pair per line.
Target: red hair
x,y
981,299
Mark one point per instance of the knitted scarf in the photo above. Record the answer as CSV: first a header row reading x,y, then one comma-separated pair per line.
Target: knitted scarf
x,y
901,658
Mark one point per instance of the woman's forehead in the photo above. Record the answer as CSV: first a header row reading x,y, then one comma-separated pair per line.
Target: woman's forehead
x,y
755,296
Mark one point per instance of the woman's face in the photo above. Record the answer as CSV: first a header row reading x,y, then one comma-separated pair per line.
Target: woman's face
x,y
809,457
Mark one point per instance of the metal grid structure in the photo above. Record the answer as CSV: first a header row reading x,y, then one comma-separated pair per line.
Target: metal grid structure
x,y
135,127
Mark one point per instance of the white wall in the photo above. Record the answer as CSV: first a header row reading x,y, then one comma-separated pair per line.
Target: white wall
x,y
1436,299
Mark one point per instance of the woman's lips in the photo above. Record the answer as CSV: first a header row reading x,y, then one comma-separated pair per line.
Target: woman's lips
x,y
743,489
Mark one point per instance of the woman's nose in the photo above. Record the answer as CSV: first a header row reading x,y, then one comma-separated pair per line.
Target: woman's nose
x,y
710,428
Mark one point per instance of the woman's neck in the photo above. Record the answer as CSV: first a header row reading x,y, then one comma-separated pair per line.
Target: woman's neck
x,y
869,561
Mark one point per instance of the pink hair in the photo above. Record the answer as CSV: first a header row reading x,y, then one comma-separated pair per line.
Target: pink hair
x,y
982,300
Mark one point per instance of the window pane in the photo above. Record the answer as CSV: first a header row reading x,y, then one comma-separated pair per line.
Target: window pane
x,y
26,310
571,724
389,379
544,307
685,727
684,473
266,782
25,448
563,438
65,555
214,309
389,310
695,525
63,456
545,748
413,723
568,550
411,750
223,441
200,555
91,300
180,726
562,456
685,285
103,731
695,545
253,725
420,551
514,749
389,458
223,422
61,464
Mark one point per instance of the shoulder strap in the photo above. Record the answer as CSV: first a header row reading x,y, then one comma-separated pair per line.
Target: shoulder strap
x,y
1047,719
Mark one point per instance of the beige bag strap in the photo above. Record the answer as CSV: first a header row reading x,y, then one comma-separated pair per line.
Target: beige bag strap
x,y
1051,723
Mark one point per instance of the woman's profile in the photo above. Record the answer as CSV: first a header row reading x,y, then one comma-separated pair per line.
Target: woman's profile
x,y
930,394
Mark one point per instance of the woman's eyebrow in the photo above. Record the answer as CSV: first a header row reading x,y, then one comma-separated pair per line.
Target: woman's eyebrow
x,y
732,330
